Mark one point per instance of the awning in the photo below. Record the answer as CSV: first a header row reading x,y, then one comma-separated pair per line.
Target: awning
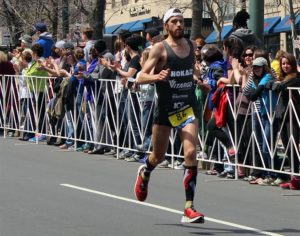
x,y
212,38
285,24
111,29
140,25
126,26
270,23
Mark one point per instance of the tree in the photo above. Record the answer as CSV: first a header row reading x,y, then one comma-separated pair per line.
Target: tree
x,y
65,18
52,14
197,12
99,18
217,10
13,19
95,15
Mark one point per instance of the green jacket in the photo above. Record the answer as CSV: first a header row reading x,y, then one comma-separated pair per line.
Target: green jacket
x,y
36,84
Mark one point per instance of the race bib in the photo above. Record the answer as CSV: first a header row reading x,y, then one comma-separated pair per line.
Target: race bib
x,y
182,117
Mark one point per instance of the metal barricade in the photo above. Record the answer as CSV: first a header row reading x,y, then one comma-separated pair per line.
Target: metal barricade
x,y
106,114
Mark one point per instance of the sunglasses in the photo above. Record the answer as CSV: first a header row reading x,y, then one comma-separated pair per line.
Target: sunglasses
x,y
198,47
248,55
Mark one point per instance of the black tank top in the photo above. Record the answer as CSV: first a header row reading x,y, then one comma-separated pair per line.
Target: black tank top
x,y
179,89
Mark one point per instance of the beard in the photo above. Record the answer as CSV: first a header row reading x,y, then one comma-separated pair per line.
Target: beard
x,y
177,34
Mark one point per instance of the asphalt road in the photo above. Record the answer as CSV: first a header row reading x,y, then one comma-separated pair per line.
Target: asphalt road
x,y
48,192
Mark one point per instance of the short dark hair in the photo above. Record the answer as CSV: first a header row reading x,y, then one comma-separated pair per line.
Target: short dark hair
x,y
235,47
100,46
133,42
152,32
38,49
211,53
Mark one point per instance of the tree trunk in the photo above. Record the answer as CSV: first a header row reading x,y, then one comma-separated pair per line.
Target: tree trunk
x,y
13,22
98,19
197,12
54,20
219,36
65,18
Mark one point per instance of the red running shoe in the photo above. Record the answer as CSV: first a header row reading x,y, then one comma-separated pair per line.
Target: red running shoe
x,y
141,186
192,216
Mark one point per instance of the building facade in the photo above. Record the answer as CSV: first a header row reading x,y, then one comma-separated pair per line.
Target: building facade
x,y
136,15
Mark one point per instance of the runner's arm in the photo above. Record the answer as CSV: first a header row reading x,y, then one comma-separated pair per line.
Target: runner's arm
x,y
146,77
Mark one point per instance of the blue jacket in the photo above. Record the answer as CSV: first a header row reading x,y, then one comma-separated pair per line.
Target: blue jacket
x,y
46,41
265,98
216,70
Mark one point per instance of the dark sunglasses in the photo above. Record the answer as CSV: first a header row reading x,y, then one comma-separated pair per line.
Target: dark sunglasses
x,y
248,55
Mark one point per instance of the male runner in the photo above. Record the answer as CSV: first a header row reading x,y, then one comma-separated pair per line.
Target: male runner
x,y
173,63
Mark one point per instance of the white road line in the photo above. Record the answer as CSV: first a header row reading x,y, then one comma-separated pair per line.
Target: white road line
x,y
168,209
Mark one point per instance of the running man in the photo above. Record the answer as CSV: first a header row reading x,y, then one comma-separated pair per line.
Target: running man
x,y
173,63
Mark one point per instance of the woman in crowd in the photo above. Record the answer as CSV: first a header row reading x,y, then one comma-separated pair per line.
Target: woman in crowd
x,y
217,71
290,77
241,73
6,68
264,127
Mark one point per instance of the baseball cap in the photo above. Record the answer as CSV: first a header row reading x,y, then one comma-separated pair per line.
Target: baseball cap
x,y
68,45
60,44
26,39
152,32
170,13
40,26
260,61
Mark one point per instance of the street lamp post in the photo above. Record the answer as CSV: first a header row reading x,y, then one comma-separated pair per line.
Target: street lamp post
x,y
256,22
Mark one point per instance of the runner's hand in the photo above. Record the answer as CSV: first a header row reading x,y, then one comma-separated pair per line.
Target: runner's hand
x,y
163,75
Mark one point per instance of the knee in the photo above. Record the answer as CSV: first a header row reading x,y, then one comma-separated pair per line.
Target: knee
x,y
190,154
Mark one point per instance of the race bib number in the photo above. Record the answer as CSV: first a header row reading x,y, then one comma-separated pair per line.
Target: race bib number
x,y
182,117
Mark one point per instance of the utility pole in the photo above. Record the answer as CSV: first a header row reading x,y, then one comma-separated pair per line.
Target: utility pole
x,y
256,22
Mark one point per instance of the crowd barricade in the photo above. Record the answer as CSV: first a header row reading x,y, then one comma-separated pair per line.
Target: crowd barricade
x,y
105,113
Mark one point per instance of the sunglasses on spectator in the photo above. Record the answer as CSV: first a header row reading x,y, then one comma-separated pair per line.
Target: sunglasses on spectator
x,y
248,55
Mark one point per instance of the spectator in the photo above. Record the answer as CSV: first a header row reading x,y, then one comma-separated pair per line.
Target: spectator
x,y
100,79
131,47
146,94
276,63
151,33
262,74
75,91
201,91
37,86
24,93
26,41
289,78
241,32
45,39
6,68
241,73
87,37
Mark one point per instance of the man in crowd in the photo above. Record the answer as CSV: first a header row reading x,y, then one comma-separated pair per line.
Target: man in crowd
x,y
45,39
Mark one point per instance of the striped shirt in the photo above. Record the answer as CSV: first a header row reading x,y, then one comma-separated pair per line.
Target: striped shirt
x,y
248,87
